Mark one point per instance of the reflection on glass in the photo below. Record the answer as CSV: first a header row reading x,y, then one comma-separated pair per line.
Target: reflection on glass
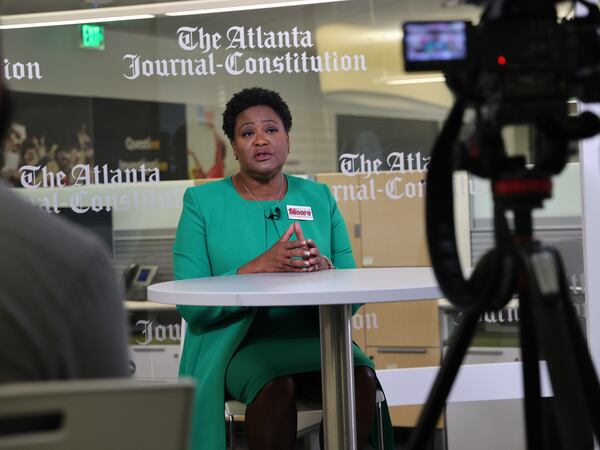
x,y
126,130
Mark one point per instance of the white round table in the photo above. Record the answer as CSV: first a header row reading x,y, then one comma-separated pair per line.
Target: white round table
x,y
334,291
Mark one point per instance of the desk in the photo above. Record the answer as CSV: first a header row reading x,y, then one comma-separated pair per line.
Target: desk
x,y
334,291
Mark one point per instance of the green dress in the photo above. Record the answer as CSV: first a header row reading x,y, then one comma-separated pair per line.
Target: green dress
x,y
218,232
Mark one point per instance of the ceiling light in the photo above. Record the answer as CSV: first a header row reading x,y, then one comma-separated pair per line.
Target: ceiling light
x,y
147,11
247,6
415,80
51,23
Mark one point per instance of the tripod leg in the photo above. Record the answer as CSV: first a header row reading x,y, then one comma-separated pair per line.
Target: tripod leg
x,y
590,383
541,268
531,373
443,382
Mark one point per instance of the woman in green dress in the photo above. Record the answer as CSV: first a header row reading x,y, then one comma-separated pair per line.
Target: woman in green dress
x,y
260,220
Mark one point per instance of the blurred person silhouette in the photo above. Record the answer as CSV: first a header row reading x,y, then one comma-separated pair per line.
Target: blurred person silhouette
x,y
30,155
11,152
61,312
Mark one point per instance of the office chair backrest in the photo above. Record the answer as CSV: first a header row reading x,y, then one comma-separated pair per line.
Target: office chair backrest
x,y
115,414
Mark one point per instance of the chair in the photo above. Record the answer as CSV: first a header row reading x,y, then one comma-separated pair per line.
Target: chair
x,y
310,414
309,417
116,414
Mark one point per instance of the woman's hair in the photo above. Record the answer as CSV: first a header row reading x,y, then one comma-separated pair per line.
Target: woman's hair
x,y
254,96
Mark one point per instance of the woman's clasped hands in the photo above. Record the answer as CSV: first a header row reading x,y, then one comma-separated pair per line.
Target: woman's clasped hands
x,y
286,255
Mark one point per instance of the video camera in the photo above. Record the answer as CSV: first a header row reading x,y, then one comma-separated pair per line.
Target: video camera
x,y
518,65
520,43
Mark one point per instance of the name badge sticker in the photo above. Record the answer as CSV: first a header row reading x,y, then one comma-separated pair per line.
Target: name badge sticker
x,y
299,212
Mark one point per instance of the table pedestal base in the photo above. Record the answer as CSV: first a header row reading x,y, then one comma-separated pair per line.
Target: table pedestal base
x,y
337,375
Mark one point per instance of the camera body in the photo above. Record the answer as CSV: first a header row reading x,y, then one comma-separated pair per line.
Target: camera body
x,y
518,65
519,60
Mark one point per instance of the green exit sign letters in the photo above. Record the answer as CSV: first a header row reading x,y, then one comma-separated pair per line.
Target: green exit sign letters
x,y
91,36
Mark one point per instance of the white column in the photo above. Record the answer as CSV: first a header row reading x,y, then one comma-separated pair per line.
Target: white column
x,y
589,157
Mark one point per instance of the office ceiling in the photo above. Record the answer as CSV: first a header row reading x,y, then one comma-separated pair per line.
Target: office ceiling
x,y
379,14
11,7
410,9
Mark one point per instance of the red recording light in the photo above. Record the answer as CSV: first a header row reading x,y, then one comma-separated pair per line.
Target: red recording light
x,y
501,60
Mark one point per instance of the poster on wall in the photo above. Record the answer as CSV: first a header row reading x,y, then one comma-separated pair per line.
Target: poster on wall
x,y
40,143
206,149
375,144
105,141
141,135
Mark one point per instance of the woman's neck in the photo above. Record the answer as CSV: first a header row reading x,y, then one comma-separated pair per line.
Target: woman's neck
x,y
251,188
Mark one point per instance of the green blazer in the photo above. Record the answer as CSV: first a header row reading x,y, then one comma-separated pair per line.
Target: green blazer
x,y
218,232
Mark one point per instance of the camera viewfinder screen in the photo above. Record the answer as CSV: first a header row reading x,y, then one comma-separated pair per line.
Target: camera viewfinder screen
x,y
435,41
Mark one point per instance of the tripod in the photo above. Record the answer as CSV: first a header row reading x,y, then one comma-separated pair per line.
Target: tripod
x,y
548,325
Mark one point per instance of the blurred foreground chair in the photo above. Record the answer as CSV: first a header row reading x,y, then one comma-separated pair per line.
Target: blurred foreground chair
x,y
115,414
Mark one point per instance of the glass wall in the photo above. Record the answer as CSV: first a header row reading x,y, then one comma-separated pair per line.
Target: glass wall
x,y
114,120
118,118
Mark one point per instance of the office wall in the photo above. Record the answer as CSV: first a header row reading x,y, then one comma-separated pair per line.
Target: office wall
x,y
314,98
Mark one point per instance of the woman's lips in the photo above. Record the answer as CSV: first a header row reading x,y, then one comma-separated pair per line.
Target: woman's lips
x,y
262,156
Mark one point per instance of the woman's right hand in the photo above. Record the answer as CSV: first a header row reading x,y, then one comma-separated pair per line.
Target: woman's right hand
x,y
281,256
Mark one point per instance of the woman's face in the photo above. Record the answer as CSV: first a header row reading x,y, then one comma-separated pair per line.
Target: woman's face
x,y
260,142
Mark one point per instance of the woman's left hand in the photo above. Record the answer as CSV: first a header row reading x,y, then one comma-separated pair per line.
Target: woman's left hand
x,y
316,260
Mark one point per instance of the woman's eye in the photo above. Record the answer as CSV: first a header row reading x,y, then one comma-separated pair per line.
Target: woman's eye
x,y
247,133
272,130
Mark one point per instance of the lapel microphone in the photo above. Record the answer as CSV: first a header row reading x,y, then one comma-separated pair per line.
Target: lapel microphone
x,y
275,215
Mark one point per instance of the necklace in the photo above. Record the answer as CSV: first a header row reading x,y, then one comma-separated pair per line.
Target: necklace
x,y
276,214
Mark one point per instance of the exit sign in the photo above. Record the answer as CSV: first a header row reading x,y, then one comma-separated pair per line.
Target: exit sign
x,y
91,36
